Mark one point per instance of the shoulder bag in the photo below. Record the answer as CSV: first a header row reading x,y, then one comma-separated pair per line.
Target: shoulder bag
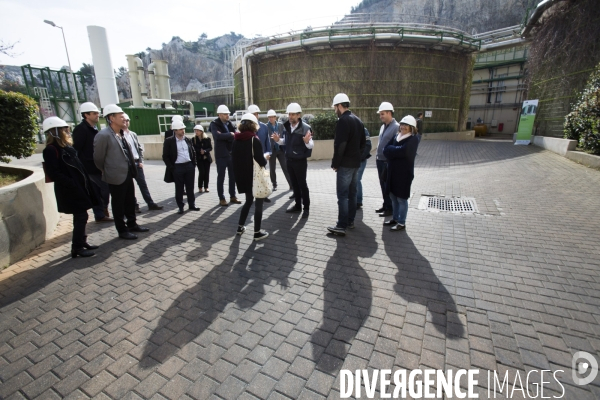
x,y
261,182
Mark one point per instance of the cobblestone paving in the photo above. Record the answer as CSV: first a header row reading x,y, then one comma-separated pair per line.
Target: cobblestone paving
x,y
192,311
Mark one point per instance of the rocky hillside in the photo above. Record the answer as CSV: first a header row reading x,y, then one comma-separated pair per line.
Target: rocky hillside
x,y
468,15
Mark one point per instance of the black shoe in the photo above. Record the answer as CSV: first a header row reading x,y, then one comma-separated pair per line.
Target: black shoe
x,y
274,188
358,205
127,236
351,225
138,228
81,253
380,210
261,235
155,207
241,229
293,210
194,208
267,200
292,197
397,228
336,230
305,214
137,210
385,213
90,246
180,211
391,222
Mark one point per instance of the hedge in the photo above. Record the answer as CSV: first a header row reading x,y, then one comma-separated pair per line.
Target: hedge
x,y
18,125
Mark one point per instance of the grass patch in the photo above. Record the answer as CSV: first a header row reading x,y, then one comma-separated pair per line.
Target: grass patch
x,y
7,178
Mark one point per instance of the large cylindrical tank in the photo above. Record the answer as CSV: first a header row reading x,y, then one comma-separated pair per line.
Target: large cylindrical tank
x,y
134,82
103,69
161,73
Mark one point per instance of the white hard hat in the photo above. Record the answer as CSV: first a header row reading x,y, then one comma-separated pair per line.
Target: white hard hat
x,y
249,117
111,109
198,128
177,125
176,118
385,106
293,108
253,109
340,98
409,120
271,113
222,109
88,107
126,116
53,122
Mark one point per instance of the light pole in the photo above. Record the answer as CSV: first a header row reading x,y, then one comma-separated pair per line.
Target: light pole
x,y
77,117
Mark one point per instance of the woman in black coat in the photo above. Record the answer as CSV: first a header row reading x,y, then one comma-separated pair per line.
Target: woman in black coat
x,y
72,186
400,153
245,143
203,147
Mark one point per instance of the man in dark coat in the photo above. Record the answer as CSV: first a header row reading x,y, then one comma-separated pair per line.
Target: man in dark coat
x,y
222,132
83,142
180,158
348,146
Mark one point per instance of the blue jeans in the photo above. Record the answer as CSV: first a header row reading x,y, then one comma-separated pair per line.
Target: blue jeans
x,y
361,170
346,193
223,164
387,204
400,207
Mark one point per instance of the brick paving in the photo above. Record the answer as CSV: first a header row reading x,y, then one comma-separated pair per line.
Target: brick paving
x,y
192,311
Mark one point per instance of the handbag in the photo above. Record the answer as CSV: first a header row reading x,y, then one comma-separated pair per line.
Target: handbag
x,y
262,186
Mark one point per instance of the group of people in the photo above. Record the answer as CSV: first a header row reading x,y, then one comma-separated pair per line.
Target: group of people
x,y
90,167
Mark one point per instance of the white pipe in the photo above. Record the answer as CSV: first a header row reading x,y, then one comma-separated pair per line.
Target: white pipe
x,y
503,44
136,95
105,75
144,89
338,40
537,14
153,88
190,105
162,79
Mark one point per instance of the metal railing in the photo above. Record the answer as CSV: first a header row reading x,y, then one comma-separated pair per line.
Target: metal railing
x,y
224,84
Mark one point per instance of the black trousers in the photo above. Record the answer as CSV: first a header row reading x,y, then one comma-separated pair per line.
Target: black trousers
x,y
183,174
258,210
203,173
123,204
297,170
79,236
278,155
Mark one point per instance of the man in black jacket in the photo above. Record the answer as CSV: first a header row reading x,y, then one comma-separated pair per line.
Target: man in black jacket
x,y
83,142
180,158
348,146
222,132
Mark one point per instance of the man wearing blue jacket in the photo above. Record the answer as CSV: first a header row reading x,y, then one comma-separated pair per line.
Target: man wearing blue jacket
x,y
388,130
222,132
348,145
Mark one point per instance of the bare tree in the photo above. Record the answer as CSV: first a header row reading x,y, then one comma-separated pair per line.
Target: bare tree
x,y
7,48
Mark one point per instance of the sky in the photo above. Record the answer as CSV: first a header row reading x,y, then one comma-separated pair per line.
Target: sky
x,y
132,26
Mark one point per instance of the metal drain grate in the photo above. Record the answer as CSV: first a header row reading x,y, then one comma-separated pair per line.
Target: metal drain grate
x,y
450,204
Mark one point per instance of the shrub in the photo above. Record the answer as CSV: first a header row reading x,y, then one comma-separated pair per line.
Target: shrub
x,y
18,125
583,123
323,126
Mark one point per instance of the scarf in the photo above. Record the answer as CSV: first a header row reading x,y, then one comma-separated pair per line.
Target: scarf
x,y
246,135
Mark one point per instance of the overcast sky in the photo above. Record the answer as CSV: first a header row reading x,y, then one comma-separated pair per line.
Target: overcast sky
x,y
132,26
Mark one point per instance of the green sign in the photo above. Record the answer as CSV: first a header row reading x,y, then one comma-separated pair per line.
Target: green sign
x,y
526,123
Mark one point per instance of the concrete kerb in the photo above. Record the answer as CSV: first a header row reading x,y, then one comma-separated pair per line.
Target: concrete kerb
x,y
28,214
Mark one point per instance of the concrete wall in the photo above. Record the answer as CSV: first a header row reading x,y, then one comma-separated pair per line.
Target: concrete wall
x,y
464,135
589,160
556,145
28,214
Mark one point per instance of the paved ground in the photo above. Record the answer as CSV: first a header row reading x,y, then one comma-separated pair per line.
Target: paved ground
x,y
193,311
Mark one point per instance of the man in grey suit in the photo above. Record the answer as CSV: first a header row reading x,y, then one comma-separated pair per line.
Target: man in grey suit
x,y
113,156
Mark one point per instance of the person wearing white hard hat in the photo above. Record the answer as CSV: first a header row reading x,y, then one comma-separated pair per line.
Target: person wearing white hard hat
x,y
263,136
348,145
169,132
388,130
203,147
83,142
246,148
72,186
400,153
180,158
138,159
297,138
113,156
222,132
277,150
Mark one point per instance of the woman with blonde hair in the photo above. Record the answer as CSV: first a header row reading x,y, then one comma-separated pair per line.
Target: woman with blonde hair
x,y
72,186
400,153
203,147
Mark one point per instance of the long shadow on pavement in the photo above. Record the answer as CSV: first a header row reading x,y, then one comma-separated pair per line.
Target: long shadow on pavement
x,y
417,283
348,298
